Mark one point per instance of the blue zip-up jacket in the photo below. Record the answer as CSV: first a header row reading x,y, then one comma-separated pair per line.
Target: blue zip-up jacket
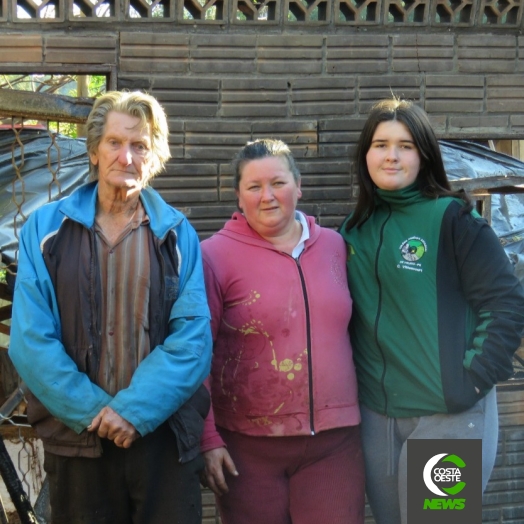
x,y
54,332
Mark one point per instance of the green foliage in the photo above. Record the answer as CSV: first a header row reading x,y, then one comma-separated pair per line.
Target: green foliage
x,y
96,85
52,84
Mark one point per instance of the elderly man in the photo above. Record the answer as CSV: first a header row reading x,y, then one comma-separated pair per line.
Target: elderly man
x,y
110,331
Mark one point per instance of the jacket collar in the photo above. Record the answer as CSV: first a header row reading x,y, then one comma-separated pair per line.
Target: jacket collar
x,y
407,195
80,206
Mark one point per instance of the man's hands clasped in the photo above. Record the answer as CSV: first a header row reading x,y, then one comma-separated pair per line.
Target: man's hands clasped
x,y
109,424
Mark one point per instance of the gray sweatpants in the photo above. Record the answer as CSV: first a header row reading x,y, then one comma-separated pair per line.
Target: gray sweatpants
x,y
385,450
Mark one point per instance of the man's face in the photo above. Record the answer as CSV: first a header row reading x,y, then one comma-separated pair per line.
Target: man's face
x,y
123,155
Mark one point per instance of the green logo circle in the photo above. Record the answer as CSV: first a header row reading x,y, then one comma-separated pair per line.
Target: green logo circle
x,y
433,475
412,249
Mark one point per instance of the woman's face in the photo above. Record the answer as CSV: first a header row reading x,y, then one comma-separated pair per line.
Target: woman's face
x,y
393,160
268,195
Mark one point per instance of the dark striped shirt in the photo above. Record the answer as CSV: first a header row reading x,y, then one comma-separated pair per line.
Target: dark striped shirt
x,y
125,279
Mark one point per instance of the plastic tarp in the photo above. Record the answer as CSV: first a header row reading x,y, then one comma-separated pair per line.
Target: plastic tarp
x,y
36,161
463,159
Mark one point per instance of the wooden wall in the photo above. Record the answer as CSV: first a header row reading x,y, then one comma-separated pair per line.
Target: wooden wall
x,y
305,71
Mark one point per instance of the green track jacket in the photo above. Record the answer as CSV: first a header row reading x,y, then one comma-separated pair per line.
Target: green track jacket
x,y
437,311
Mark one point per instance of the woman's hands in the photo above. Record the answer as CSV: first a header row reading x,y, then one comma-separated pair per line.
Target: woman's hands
x,y
218,461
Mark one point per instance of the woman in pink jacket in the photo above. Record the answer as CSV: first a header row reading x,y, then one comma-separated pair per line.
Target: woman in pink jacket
x,y
284,445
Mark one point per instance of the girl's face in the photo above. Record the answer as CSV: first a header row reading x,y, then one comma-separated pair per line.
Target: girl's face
x,y
393,160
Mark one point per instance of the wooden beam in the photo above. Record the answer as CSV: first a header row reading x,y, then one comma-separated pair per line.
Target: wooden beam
x,y
490,185
41,106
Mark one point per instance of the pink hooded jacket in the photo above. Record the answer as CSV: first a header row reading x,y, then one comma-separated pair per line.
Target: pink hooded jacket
x,y
282,359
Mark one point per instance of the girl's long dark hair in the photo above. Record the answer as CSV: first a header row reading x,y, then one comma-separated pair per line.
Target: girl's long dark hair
x,y
431,179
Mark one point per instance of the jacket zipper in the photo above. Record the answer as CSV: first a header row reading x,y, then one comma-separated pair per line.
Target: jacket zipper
x,y
95,328
379,311
308,339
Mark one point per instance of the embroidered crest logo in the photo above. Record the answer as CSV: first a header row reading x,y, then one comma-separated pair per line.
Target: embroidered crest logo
x,y
413,249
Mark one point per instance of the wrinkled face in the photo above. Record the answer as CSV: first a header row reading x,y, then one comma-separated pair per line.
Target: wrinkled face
x,y
393,160
268,195
123,155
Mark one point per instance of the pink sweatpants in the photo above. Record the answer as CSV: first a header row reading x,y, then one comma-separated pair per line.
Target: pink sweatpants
x,y
301,480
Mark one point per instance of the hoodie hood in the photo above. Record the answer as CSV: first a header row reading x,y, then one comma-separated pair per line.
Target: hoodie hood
x,y
238,229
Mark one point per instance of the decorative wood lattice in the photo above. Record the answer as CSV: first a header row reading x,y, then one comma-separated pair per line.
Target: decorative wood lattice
x,y
257,11
358,12
501,12
454,12
459,13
